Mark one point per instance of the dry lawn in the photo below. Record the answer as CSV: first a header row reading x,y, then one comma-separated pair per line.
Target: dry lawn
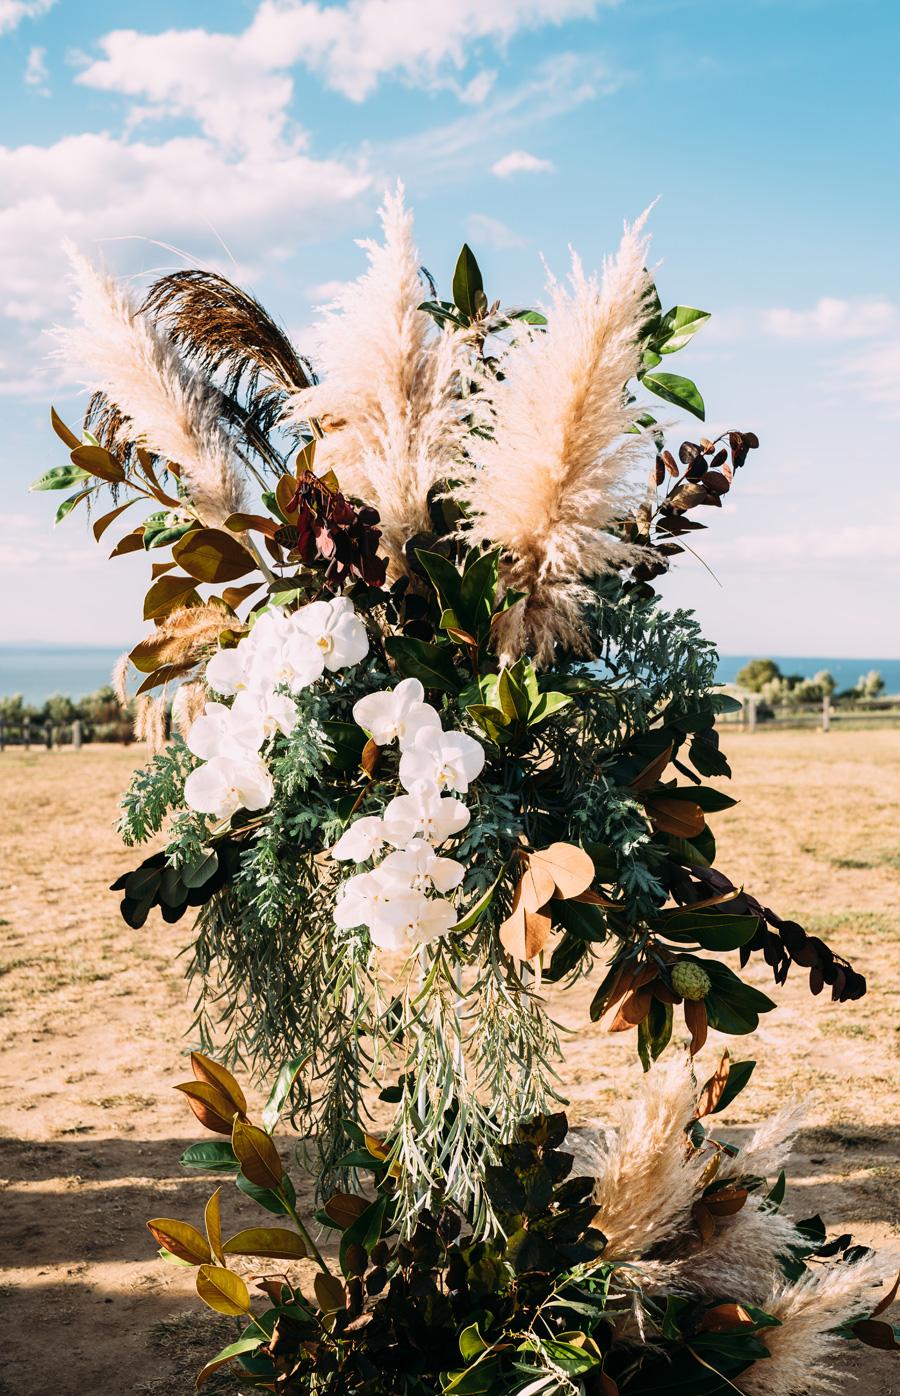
x,y
93,1016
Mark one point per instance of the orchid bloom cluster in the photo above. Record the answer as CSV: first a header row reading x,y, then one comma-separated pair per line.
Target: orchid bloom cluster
x,y
284,653
402,899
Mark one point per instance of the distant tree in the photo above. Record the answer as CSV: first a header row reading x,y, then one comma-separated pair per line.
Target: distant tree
x,y
870,685
826,681
14,709
758,673
59,709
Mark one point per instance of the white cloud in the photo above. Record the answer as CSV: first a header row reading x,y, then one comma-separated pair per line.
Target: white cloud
x,y
832,319
95,188
36,74
239,86
829,545
12,12
875,374
520,162
491,232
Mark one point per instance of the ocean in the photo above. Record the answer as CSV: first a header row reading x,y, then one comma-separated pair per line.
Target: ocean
x,y
37,671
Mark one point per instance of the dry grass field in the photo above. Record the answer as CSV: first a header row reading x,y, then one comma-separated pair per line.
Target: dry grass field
x,y
93,1016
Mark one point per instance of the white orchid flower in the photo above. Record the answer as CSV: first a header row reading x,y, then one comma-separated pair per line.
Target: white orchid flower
x,y
359,900
411,917
419,868
226,672
396,714
424,810
264,712
333,629
361,841
215,733
224,785
452,760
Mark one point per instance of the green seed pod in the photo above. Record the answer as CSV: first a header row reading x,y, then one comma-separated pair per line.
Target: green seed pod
x,y
690,981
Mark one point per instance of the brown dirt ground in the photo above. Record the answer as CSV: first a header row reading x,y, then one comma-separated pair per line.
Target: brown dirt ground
x,y
93,1016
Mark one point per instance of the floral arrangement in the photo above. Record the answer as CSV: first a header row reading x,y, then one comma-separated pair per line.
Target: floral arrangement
x,y
440,746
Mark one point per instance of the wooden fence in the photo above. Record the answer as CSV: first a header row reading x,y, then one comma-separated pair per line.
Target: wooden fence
x,y
826,715
28,733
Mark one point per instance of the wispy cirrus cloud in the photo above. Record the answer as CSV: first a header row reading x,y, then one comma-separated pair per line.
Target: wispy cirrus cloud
x,y
832,318
12,12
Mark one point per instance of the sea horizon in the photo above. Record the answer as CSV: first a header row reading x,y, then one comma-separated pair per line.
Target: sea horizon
x,y
42,669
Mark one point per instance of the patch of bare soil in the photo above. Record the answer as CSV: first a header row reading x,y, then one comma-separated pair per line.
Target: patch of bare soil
x,y
93,1017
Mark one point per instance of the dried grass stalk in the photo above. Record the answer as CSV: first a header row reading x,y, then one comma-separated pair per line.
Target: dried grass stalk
x,y
188,704
389,404
804,1351
560,468
154,399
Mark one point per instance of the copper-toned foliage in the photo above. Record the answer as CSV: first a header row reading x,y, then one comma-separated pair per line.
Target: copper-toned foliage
x,y
331,532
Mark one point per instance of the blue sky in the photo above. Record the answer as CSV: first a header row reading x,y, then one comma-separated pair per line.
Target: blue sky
x,y
257,137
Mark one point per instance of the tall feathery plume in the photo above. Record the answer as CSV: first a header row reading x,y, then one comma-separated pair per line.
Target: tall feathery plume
x,y
188,703
769,1147
168,409
119,678
560,466
389,401
648,1181
804,1349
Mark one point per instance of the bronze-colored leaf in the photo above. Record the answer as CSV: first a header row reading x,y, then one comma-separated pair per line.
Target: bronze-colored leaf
x,y
285,492
181,1239
726,1318
697,1020
570,867
344,1207
634,1010
97,461
257,1154
715,1088
595,899
223,1291
213,1109
727,1202
133,542
212,1218
102,524
330,1293
653,770
234,596
888,1299
371,754
875,1333
274,1242
212,555
683,818
607,1386
305,461
243,523
62,431
163,674
166,594
205,1069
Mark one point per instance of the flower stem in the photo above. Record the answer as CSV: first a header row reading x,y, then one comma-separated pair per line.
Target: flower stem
x,y
308,1240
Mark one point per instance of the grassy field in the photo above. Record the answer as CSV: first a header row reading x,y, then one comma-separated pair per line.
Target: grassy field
x,y
93,1016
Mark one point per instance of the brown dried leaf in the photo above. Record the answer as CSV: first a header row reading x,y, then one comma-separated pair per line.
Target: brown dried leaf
x,y
370,757
727,1202
344,1207
888,1299
181,1239
570,867
726,1318
683,818
536,886
703,1220
714,1089
525,933
330,1293
634,1010
274,1242
212,1218
653,770
876,1334
697,1020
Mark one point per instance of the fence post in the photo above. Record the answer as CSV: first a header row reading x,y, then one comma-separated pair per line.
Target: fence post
x,y
2,734
751,714
48,735
76,734
26,733
826,713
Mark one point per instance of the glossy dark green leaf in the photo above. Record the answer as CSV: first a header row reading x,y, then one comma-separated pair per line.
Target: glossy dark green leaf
x,y
467,282
671,387
213,1156
418,659
60,477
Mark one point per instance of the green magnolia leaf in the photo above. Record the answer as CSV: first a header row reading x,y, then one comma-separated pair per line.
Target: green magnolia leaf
x,y
443,313
677,390
528,317
196,873
677,328
713,930
546,706
69,504
346,741
731,1005
61,477
365,1231
478,592
443,576
420,660
471,1342
467,283
585,920
492,721
280,1092
266,1197
213,1156
228,1354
